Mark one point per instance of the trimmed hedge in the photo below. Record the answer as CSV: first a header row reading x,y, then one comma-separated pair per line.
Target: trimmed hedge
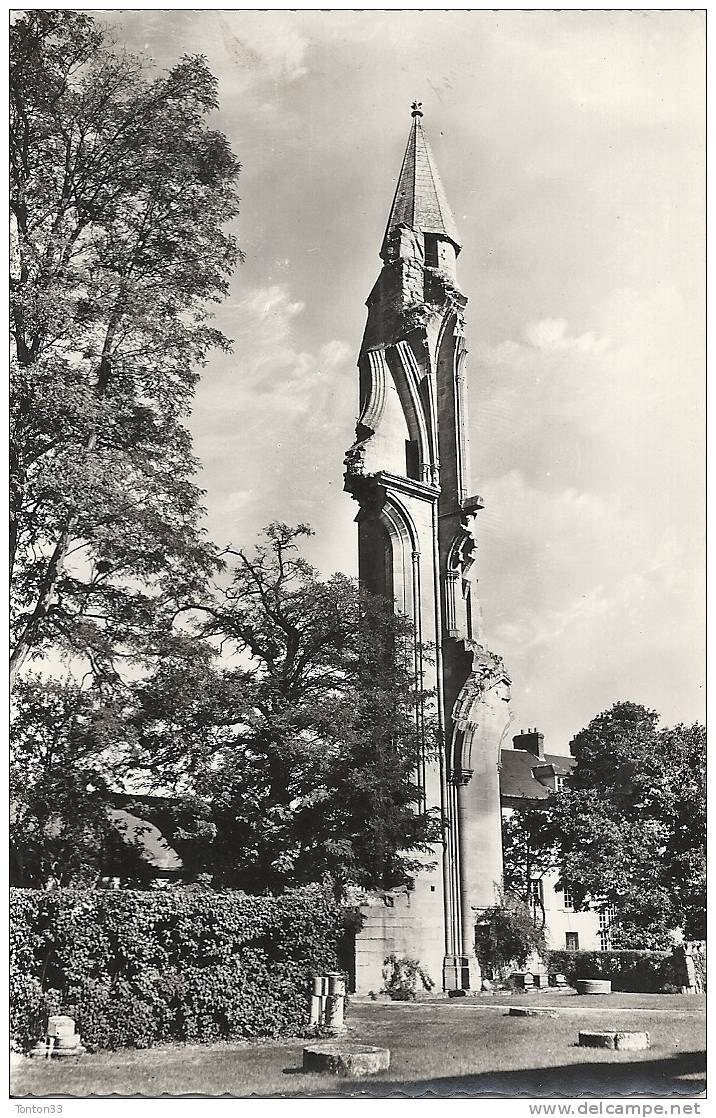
x,y
142,968
636,972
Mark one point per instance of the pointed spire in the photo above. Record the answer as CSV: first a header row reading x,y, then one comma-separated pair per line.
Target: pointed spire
x,y
420,201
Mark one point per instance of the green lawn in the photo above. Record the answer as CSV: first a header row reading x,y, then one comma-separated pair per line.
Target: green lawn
x,y
570,999
461,1046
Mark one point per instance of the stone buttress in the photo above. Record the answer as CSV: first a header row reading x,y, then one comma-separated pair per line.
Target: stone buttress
x,y
408,470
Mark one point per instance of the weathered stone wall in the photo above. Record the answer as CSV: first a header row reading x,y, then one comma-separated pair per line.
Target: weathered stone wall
x,y
404,923
690,966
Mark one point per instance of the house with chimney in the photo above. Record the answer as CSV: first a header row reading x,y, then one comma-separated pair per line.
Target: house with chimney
x,y
529,776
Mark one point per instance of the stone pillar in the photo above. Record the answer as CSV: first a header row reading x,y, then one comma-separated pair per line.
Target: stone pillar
x,y
480,840
482,719
467,913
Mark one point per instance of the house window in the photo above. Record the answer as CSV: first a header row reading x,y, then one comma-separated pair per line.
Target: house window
x,y
558,783
568,897
605,917
536,891
431,250
571,941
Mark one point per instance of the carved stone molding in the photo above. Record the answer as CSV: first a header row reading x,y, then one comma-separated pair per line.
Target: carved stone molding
x,y
479,707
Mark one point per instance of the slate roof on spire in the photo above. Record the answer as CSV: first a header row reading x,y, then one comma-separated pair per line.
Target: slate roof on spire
x,y
420,199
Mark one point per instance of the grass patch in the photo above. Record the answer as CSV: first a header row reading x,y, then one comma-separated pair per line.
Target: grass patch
x,y
440,1048
665,1003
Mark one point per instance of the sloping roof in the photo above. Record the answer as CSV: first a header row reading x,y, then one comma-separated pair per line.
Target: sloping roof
x,y
561,765
420,200
517,780
153,846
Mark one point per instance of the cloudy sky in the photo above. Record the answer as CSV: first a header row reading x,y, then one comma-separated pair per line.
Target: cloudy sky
x,y
571,148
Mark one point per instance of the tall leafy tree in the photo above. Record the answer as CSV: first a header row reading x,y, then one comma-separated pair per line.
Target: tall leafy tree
x,y
632,826
529,851
119,197
69,747
296,764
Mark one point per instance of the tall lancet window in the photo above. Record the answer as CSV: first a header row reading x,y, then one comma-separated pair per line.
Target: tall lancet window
x,y
412,459
431,250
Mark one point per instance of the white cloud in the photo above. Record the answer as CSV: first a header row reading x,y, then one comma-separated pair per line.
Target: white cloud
x,y
272,303
334,353
279,417
576,593
273,47
544,338
270,369
550,335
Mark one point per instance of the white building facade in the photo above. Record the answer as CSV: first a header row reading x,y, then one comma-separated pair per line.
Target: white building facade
x,y
529,776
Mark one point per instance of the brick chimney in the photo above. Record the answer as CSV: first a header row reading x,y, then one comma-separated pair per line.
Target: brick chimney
x,y
530,740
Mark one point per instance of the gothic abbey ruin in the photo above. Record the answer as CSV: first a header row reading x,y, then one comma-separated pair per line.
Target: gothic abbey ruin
x,y
409,472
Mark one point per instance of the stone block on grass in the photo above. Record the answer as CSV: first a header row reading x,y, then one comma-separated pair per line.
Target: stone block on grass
x,y
518,1011
594,986
346,1059
631,1041
522,980
597,1040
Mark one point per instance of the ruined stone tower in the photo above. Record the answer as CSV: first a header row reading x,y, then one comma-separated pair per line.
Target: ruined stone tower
x,y
409,472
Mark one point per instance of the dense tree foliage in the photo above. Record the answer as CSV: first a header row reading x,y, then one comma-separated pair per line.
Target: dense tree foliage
x,y
506,935
297,763
64,761
119,194
278,729
631,823
529,851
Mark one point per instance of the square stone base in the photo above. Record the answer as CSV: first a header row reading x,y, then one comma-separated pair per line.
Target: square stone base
x,y
461,972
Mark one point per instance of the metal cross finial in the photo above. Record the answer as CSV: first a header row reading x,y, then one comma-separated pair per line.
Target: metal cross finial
x,y
417,108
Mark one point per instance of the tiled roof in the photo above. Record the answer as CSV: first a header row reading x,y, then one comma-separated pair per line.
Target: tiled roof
x,y
420,201
516,778
152,845
561,765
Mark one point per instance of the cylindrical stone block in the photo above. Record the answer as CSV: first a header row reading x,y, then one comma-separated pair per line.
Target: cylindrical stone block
x,y
315,1009
346,1059
61,1025
594,986
336,984
334,1011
